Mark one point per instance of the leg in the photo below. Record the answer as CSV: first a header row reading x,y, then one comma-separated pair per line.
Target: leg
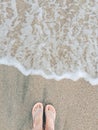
x,y
50,117
37,114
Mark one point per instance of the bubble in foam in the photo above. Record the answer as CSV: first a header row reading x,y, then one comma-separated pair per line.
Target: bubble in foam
x,y
55,39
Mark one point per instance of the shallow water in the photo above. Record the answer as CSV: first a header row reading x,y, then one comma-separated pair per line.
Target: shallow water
x,y
56,38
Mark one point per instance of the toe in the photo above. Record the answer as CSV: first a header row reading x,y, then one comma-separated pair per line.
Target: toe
x,y
50,109
36,107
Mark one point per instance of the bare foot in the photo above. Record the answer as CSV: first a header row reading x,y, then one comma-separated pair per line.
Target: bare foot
x,y
37,114
50,117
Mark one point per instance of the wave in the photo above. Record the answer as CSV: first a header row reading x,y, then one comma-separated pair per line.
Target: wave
x,y
55,39
68,75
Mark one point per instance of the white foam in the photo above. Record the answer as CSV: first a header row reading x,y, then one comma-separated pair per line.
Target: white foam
x,y
73,76
55,39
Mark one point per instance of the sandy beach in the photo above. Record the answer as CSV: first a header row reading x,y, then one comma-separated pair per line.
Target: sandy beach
x,y
76,103
22,23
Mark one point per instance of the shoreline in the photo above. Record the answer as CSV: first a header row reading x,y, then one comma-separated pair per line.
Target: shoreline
x,y
75,101
70,76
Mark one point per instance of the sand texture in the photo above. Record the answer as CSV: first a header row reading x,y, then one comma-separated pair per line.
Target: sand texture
x,y
76,103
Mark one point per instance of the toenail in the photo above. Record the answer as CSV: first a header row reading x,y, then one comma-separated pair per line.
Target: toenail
x,y
39,106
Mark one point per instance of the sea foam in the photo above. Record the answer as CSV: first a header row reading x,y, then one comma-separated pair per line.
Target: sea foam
x,y
55,39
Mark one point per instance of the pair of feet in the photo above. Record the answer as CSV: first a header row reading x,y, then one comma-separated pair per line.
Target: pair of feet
x,y
37,114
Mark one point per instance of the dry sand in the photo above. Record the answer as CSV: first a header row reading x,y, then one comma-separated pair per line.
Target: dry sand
x,y
76,103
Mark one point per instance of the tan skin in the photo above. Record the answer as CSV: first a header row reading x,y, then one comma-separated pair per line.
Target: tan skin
x,y
37,114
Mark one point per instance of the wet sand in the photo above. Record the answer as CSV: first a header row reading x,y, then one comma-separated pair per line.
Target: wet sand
x,y
76,103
